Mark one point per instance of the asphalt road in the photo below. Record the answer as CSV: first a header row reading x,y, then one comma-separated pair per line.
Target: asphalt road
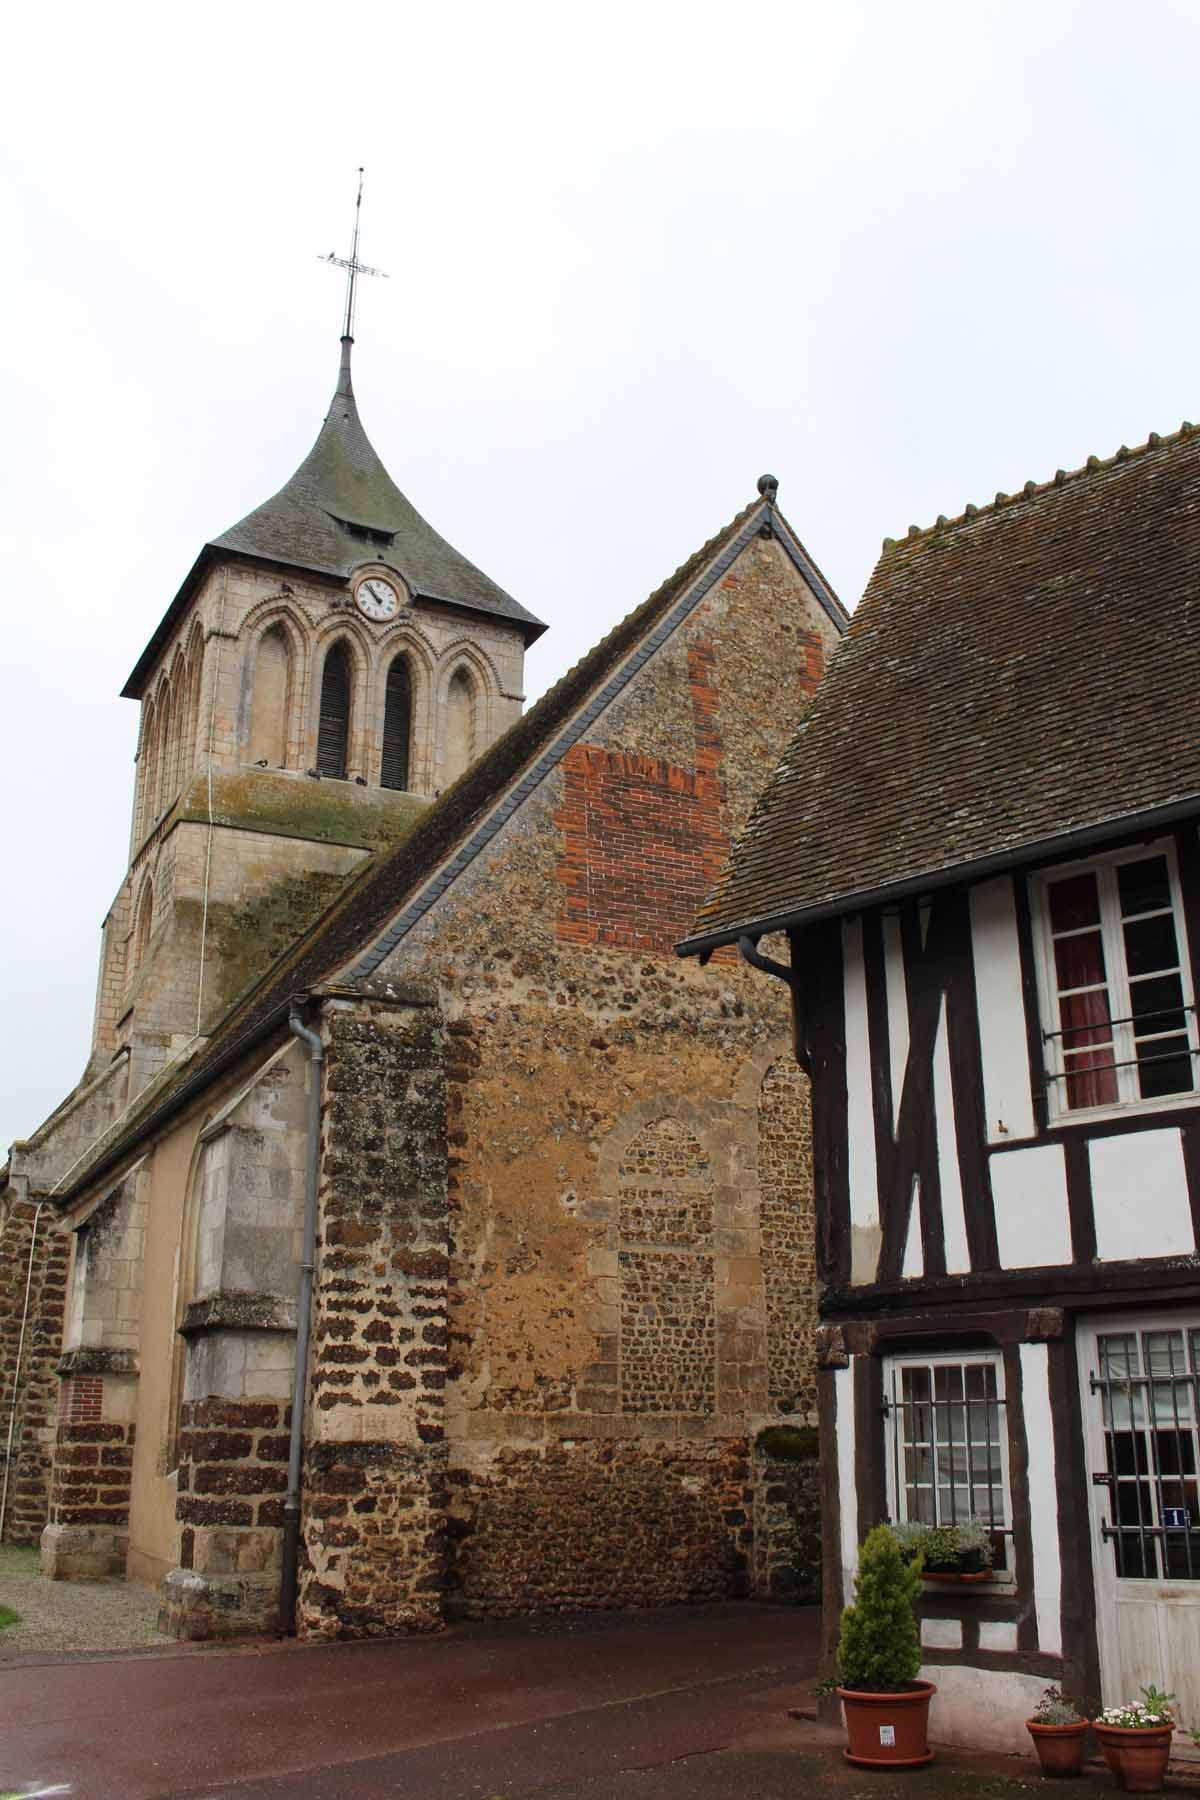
x,y
589,1707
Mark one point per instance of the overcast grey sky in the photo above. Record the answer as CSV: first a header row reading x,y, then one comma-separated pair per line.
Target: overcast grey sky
x,y
638,253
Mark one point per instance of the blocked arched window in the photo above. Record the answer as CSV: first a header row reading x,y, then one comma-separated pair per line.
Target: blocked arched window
x,y
333,727
178,714
460,726
397,725
145,919
196,664
149,769
272,699
163,787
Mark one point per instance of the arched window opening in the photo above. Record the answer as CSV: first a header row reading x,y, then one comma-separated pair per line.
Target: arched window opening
x,y
397,725
460,726
196,664
333,730
272,699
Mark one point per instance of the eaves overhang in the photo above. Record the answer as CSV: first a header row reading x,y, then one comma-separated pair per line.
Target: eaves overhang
x,y
1025,855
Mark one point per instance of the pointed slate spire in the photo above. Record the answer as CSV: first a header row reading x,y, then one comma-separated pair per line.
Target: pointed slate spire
x,y
342,508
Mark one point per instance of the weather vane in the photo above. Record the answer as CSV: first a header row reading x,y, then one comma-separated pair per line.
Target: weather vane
x,y
352,266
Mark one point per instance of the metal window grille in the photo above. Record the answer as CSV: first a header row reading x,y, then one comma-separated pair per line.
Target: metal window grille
x,y
333,731
397,725
1149,1388
947,1437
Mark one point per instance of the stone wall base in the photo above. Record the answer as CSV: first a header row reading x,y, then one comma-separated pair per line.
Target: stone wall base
x,y
196,1607
83,1552
787,1528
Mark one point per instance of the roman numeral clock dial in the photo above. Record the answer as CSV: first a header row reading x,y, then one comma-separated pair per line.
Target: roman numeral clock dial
x,y
377,598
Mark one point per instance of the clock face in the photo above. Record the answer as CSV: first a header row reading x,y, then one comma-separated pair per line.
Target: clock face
x,y
377,598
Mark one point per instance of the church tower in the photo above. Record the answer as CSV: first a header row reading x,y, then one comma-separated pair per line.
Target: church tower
x,y
328,666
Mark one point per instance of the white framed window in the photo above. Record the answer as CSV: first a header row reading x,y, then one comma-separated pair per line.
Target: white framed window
x,y
947,1443
1115,989
1146,1378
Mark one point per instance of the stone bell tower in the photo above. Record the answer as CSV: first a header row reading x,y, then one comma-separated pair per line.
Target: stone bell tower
x,y
328,666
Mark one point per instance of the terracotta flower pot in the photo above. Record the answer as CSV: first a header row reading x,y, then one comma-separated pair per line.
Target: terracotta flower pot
x,y
888,1731
1059,1747
1137,1756
956,1575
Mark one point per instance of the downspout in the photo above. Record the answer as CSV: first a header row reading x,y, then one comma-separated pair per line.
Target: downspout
x,y
291,1505
12,1414
749,952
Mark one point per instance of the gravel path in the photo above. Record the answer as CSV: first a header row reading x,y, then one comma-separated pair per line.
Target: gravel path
x,y
61,1617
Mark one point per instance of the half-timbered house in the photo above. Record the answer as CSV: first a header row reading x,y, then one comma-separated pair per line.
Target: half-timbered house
x,y
982,848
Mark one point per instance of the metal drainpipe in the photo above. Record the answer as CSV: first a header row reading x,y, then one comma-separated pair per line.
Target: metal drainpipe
x,y
749,952
291,1506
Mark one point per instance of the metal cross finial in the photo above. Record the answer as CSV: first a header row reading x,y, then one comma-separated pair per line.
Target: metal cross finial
x,y
352,266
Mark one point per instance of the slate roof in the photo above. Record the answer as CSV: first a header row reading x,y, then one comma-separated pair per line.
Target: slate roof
x,y
340,509
449,833
1018,680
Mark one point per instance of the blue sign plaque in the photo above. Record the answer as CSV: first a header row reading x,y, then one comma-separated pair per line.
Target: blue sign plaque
x,y
1177,1518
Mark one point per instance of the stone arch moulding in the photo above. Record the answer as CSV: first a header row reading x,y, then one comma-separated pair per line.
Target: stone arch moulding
x,y
704,1122
342,630
466,650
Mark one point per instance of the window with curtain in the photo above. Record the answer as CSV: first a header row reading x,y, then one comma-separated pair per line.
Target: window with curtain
x,y
333,729
1120,1022
397,725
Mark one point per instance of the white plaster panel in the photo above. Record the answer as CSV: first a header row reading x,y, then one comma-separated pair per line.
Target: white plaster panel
x,y
1043,1496
983,1708
897,1007
954,1219
864,1186
1007,1092
942,1634
1033,1225
843,1383
997,1634
1140,1196
913,1266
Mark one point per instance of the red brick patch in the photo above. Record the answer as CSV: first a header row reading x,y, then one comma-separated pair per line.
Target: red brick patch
x,y
643,840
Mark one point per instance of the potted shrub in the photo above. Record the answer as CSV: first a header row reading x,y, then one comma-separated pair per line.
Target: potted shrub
x,y
879,1653
961,1552
1136,1740
1058,1730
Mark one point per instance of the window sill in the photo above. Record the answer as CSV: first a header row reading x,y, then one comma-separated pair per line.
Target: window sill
x,y
1124,1109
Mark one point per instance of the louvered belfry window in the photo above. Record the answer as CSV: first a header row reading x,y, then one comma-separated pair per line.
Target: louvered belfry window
x,y
397,724
333,732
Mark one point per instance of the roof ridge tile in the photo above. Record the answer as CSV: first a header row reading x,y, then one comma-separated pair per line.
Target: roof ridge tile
x,y
1092,465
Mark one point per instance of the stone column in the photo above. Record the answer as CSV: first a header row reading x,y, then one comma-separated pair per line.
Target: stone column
x,y
240,1336
33,1279
374,1505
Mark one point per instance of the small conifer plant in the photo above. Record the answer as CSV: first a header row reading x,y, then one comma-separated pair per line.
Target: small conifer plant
x,y
879,1651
